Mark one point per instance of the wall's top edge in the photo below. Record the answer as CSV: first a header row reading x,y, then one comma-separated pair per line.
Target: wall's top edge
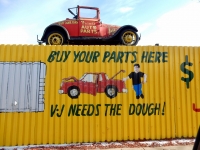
x,y
97,45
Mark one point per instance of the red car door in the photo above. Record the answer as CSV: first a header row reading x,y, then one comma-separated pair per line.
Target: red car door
x,y
90,84
88,22
102,82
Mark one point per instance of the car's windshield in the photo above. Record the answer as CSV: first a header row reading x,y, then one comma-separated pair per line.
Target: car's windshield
x,y
89,78
83,77
73,11
88,13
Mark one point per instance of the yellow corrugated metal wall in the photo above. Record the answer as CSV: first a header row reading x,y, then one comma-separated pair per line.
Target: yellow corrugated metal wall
x,y
170,108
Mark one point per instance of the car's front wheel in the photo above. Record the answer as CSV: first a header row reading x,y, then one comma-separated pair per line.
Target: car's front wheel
x,y
129,37
111,91
55,38
73,92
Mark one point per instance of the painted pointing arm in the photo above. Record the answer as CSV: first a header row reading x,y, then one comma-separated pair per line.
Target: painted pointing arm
x,y
145,78
126,78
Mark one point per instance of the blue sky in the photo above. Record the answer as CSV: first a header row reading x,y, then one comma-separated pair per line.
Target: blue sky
x,y
167,22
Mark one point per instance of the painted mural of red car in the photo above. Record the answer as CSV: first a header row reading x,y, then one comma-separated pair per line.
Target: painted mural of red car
x,y
86,28
92,83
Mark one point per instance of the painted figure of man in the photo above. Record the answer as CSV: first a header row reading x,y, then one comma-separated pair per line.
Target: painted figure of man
x,y
136,80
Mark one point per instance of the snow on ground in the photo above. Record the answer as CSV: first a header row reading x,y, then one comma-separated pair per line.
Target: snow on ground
x,y
107,145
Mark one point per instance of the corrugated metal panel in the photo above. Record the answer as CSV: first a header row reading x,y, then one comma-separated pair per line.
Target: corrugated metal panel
x,y
170,107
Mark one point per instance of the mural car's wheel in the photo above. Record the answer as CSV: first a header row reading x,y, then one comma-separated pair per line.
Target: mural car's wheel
x,y
129,37
111,91
55,38
73,92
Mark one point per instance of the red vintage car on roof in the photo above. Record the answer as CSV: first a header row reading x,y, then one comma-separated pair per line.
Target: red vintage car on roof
x,y
86,28
92,83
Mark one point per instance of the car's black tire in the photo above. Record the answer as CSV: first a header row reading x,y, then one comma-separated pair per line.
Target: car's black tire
x,y
55,38
129,37
73,92
111,91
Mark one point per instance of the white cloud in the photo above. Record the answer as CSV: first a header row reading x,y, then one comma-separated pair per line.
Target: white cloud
x,y
115,7
144,26
22,28
14,35
125,9
180,27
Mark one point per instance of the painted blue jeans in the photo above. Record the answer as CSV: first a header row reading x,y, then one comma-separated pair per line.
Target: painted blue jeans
x,y
138,89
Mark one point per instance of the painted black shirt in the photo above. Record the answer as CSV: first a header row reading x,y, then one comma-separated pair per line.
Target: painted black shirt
x,y
136,77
